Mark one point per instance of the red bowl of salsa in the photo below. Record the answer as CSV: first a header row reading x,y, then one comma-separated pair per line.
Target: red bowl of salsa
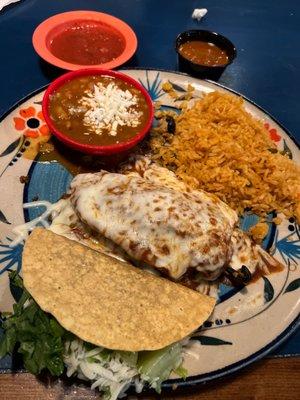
x,y
84,39
98,111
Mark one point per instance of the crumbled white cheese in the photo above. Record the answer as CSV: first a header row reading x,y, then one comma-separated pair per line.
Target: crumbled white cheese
x,y
199,13
109,107
105,372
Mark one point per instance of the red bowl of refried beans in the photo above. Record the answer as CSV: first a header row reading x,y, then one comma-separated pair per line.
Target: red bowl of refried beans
x,y
98,111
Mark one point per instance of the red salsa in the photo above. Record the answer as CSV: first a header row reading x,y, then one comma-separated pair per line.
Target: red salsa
x,y
87,42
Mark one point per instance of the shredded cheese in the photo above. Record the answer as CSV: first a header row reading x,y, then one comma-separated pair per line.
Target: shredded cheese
x,y
22,231
109,107
103,371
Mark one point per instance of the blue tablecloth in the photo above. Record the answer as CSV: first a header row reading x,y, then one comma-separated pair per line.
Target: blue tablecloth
x,y
266,34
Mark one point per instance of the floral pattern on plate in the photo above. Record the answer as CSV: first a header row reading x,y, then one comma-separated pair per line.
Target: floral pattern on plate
x,y
246,323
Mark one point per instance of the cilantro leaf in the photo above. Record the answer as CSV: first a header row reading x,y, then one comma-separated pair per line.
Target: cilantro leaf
x,y
33,333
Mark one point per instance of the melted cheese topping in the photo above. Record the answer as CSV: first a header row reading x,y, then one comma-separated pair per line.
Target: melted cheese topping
x,y
151,216
155,219
66,223
244,252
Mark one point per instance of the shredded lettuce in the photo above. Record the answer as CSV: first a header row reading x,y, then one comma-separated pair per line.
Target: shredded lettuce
x,y
181,372
156,366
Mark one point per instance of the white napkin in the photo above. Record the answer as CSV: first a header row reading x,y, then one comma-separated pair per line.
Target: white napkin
x,y
199,13
4,3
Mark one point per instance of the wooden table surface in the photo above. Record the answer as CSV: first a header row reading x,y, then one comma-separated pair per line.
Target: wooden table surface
x,y
269,379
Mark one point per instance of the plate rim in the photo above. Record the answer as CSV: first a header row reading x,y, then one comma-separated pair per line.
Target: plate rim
x,y
200,379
